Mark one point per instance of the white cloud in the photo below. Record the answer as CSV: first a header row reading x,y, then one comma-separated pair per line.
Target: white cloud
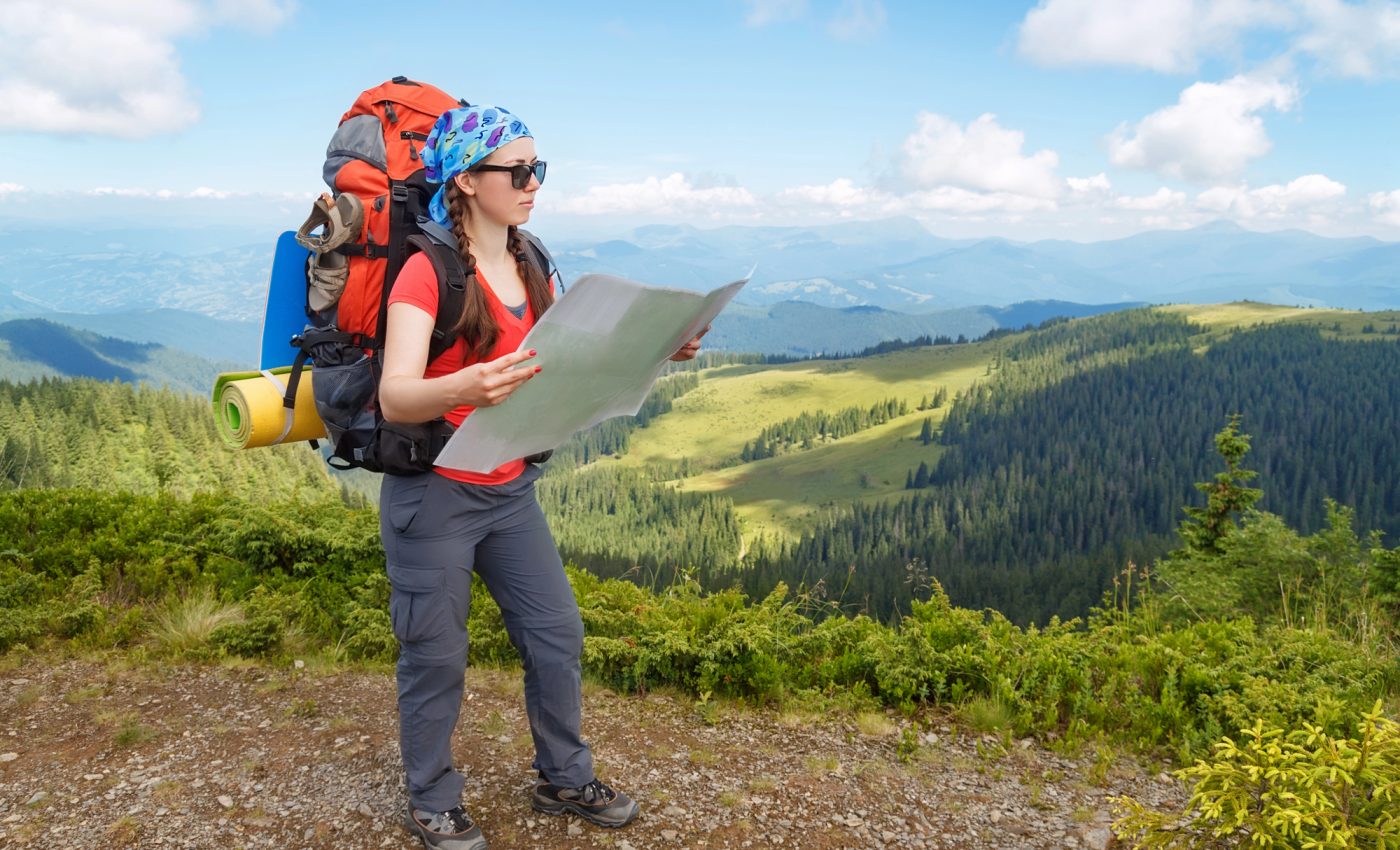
x,y
984,156
1210,134
1304,195
673,193
108,68
1353,40
841,192
1162,199
844,197
1386,206
261,16
1089,185
857,19
1163,35
10,189
201,193
764,12
953,199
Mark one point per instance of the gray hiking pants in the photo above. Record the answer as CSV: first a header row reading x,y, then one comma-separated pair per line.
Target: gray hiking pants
x,y
436,531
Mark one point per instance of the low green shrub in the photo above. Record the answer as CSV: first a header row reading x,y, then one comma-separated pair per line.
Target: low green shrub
x,y
217,575
1272,787
254,637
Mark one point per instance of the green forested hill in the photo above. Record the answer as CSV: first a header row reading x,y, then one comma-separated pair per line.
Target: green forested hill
x,y
117,436
38,348
1051,479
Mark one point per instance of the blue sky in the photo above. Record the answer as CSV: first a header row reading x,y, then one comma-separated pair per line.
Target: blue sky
x,y
1078,119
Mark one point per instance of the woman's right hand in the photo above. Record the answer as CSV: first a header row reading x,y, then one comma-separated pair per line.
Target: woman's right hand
x,y
491,383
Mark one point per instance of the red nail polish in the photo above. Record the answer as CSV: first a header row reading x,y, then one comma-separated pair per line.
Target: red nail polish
x,y
532,352
538,368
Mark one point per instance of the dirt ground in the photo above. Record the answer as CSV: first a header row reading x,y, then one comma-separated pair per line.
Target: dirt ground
x,y
101,753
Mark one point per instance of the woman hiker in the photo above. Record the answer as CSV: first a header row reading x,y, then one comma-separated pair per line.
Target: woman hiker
x,y
439,527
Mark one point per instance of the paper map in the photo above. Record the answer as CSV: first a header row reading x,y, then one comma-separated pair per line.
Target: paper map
x,y
601,347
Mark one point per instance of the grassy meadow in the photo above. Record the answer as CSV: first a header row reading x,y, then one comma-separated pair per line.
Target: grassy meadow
x,y
1247,313
711,424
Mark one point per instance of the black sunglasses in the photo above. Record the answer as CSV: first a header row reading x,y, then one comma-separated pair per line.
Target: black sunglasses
x,y
519,174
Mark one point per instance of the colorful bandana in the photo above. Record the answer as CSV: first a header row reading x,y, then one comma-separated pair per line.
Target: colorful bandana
x,y
460,139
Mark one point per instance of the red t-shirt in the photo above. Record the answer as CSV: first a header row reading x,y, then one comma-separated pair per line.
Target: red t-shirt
x,y
417,285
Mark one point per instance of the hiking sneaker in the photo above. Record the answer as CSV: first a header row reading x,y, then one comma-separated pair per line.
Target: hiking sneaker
x,y
594,802
449,830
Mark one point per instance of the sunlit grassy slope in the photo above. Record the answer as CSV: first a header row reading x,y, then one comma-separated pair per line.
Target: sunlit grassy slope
x,y
783,495
733,404
1244,314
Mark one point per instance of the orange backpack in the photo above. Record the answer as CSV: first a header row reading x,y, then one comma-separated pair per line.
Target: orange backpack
x,y
374,155
379,216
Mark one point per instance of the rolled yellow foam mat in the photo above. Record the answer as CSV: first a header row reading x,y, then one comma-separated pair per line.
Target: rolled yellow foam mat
x,y
249,411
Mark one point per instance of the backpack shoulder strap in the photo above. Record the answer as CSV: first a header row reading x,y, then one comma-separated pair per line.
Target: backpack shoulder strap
x,y
545,260
451,276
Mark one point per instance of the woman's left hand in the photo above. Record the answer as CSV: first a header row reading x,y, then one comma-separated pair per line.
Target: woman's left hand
x,y
690,349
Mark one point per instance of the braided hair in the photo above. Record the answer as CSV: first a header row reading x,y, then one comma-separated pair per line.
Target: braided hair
x,y
476,324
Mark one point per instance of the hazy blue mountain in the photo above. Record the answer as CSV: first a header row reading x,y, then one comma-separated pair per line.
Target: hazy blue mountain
x,y
800,329
1224,262
896,265
156,280
36,348
1034,312
44,276
804,330
802,260
205,336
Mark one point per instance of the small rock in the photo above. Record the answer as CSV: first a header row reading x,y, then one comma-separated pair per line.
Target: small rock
x,y
1097,838
226,801
8,756
92,777
299,664
39,797
574,830
365,810
673,812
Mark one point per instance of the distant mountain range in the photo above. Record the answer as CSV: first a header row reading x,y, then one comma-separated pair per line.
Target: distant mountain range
x,y
887,279
898,265
805,330
38,348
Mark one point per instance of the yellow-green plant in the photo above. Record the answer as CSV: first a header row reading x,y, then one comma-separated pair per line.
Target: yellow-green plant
x,y
1301,788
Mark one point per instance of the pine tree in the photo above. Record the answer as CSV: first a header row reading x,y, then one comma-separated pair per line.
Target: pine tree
x,y
1226,496
921,477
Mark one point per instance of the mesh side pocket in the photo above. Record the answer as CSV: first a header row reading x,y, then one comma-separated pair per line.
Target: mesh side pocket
x,y
343,397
